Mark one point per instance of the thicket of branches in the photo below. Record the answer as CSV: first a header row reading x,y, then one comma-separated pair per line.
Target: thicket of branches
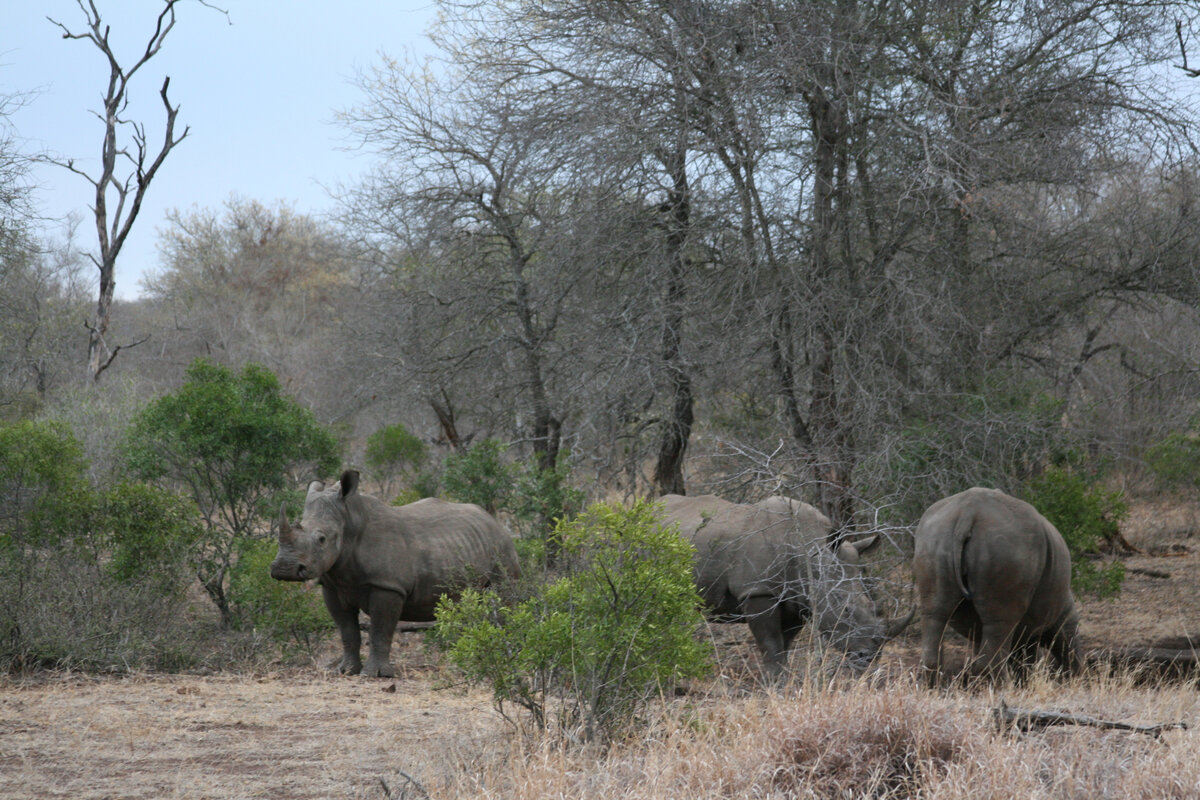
x,y
862,252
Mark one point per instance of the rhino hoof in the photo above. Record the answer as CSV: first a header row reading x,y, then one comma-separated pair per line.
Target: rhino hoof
x,y
346,666
379,671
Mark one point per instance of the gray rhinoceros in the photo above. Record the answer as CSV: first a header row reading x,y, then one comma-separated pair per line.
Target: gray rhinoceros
x,y
995,570
391,562
768,564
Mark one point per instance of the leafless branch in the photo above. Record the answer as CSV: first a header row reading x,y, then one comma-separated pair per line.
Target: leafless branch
x,y
1028,719
1191,73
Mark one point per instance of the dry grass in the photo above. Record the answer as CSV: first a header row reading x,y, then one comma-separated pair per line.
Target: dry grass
x,y
868,741
307,734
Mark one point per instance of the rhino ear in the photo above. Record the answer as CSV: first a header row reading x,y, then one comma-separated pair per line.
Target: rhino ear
x,y
349,482
316,486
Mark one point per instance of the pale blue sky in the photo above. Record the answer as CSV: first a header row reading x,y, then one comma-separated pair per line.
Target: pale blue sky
x,y
259,90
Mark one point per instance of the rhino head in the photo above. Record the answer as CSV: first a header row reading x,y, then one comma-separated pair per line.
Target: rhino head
x,y
843,610
308,550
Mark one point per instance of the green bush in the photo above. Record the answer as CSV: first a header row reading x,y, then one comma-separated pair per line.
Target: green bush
x,y
994,435
292,614
1175,461
534,499
87,578
480,476
233,442
394,451
151,536
597,644
1086,515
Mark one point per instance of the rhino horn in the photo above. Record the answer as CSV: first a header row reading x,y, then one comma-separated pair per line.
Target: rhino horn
x,y
895,626
285,530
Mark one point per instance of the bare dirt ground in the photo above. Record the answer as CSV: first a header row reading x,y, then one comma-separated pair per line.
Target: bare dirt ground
x,y
306,733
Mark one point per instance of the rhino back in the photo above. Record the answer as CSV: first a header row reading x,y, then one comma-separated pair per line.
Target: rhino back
x,y
742,551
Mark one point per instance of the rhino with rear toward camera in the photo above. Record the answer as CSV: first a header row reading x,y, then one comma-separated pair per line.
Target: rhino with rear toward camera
x,y
990,567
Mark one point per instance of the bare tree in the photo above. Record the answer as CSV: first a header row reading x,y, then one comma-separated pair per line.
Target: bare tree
x,y
118,197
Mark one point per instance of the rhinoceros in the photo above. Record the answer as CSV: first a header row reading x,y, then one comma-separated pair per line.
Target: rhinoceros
x,y
996,571
393,563
767,564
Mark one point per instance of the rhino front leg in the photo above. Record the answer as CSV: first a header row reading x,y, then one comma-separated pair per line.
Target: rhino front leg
x,y
385,613
766,623
346,619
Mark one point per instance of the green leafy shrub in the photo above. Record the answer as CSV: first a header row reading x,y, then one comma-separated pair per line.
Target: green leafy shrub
x,y
394,451
532,498
151,535
88,578
292,614
542,497
598,643
1175,461
995,435
1086,515
232,442
480,476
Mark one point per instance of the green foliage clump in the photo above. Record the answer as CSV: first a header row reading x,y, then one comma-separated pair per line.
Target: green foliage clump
x,y
533,498
87,577
599,642
292,614
151,533
480,475
393,451
1175,460
993,435
232,442
1086,515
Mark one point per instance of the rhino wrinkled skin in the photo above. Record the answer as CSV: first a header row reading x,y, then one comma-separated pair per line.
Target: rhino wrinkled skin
x,y
996,571
392,563
768,564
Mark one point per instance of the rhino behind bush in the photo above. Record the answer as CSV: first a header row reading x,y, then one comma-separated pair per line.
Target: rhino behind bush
x,y
996,571
768,564
392,563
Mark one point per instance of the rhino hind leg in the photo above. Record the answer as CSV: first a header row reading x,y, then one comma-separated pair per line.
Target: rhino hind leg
x,y
1022,660
933,631
1064,648
995,647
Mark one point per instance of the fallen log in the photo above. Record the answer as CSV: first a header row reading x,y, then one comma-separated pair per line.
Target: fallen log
x,y
1156,662
1149,573
1028,719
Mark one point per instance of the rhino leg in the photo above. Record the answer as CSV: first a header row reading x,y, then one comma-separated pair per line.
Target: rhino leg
x,y
385,613
1023,658
995,645
346,619
766,623
1064,647
933,629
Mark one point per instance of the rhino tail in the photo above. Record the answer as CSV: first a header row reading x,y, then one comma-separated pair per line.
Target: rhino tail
x,y
963,525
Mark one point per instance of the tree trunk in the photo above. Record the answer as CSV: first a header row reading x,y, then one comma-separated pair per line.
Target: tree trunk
x,y
677,428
